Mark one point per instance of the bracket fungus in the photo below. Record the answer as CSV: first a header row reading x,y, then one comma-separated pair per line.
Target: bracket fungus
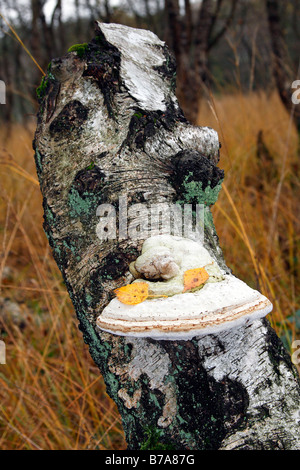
x,y
188,294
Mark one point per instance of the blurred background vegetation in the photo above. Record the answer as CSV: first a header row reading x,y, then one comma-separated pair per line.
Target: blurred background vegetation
x,y
236,62
218,44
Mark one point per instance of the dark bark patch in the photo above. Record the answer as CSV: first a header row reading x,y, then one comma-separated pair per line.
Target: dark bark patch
x,y
93,294
86,193
142,125
145,124
115,265
102,155
207,409
168,69
137,198
152,401
53,92
154,440
48,225
192,165
47,93
103,65
89,180
69,120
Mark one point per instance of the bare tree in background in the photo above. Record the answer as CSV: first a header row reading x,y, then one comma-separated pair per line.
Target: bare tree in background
x,y
283,71
42,37
191,36
46,34
6,77
56,21
192,31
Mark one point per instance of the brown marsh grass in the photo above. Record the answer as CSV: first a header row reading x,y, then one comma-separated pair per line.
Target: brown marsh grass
x,y
257,215
51,394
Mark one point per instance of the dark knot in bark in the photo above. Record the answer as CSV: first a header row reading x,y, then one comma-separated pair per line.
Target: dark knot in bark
x,y
191,165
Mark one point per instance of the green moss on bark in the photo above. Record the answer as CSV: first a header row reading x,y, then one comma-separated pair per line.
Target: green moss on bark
x,y
80,49
152,440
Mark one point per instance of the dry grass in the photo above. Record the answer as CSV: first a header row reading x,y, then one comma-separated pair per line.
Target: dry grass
x,y
257,215
51,393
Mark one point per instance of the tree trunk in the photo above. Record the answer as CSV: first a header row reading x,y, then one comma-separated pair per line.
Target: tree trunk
x,y
191,42
174,31
179,39
110,125
283,72
35,32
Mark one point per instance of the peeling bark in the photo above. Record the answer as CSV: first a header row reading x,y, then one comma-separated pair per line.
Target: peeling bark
x,y
110,125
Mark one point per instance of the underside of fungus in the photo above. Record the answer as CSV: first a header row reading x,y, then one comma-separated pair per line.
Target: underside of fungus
x,y
177,306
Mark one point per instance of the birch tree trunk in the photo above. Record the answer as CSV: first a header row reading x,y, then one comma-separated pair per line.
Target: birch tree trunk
x,y
110,125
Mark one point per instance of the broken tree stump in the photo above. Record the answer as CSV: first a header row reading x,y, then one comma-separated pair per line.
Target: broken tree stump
x,y
110,132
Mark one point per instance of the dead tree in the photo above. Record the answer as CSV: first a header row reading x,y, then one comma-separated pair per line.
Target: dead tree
x,y
110,125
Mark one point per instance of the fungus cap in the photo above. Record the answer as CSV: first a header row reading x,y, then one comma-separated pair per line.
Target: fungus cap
x,y
216,307
223,302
